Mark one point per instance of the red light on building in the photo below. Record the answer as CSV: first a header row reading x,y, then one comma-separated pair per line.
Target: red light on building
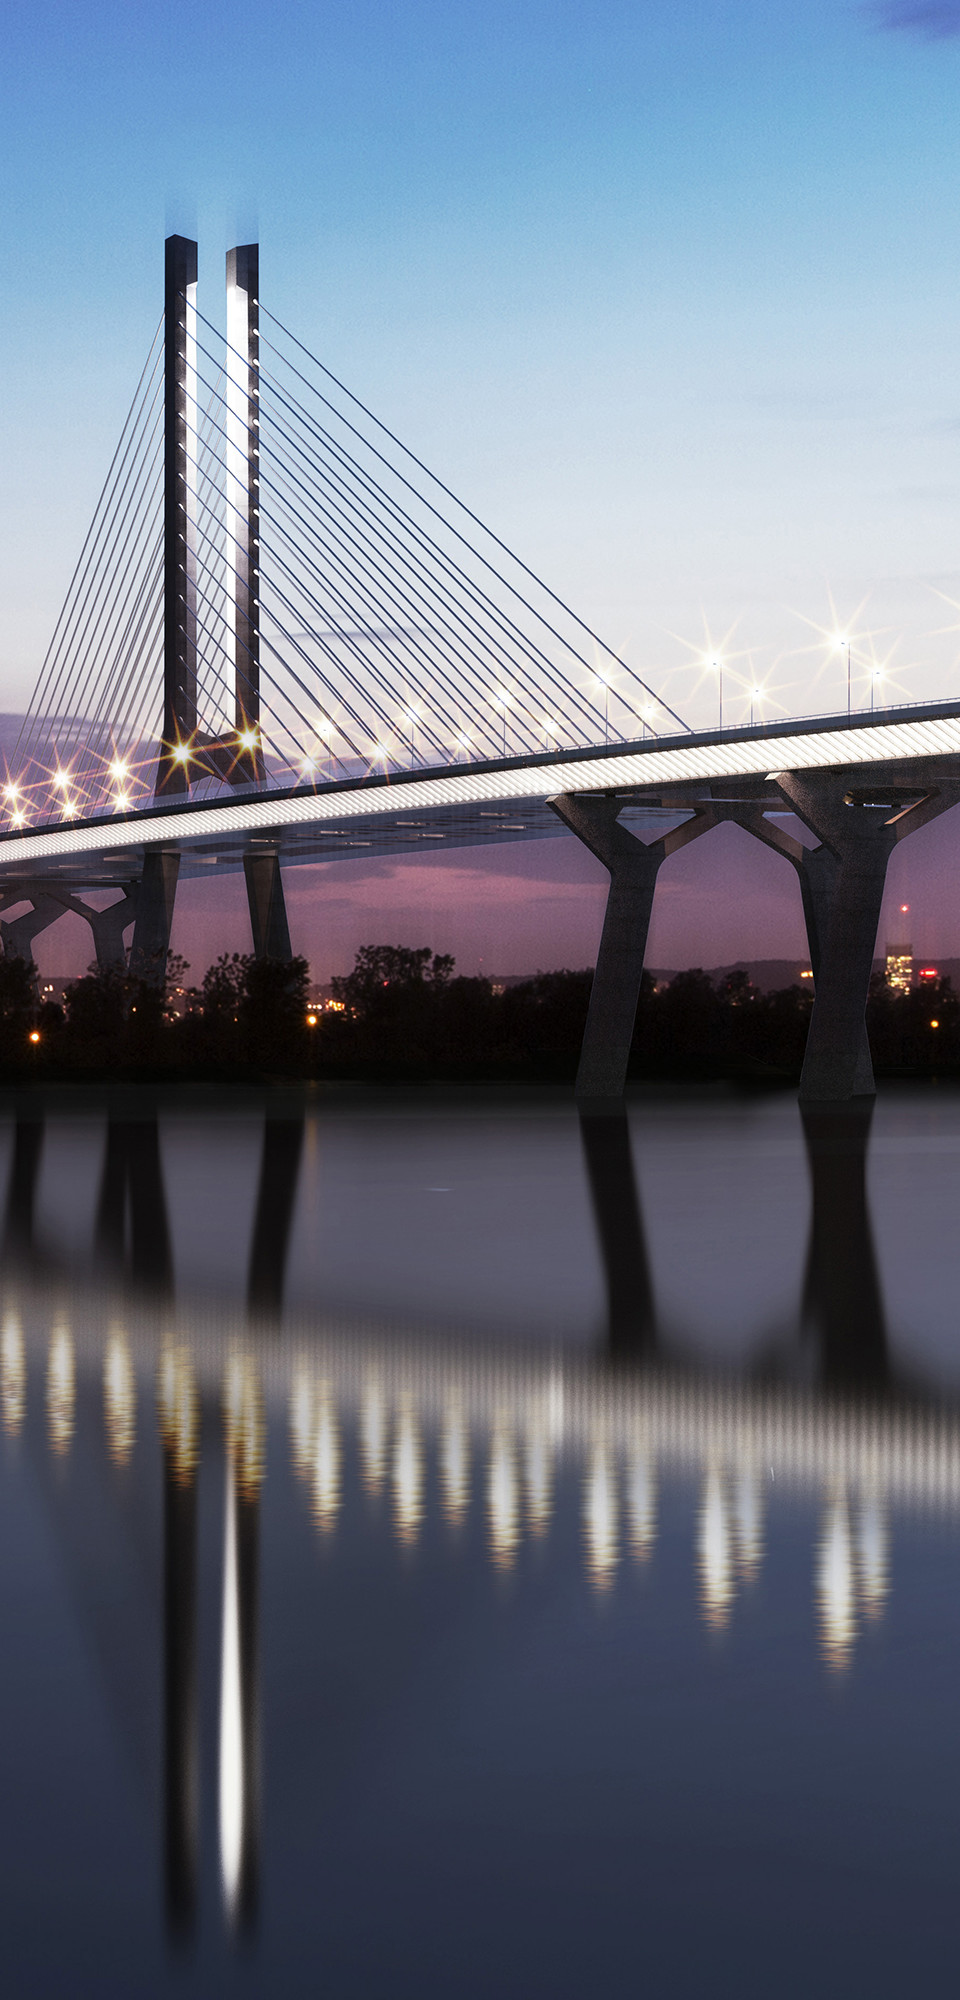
x,y
928,972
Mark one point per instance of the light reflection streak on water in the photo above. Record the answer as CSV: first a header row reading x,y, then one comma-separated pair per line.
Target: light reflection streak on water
x,y
835,1586
179,1411
119,1397
13,1374
455,1467
747,1512
715,1551
538,1478
244,1436
523,1420
301,1419
503,1499
325,1462
872,1555
374,1436
408,1477
600,1520
641,1504
231,1712
61,1390
244,1424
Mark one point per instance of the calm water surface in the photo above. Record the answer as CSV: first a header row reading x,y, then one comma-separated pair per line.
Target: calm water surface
x,y
449,1548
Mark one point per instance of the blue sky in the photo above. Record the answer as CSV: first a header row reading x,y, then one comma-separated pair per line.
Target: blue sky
x,y
667,291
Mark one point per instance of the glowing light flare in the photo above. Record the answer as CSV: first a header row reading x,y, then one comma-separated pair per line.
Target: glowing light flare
x,y
119,1398
34,1035
13,1375
61,1390
119,771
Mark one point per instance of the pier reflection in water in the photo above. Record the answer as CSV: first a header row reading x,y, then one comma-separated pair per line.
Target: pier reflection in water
x,y
660,1483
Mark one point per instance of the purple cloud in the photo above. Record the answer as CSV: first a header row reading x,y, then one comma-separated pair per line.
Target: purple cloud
x,y
932,20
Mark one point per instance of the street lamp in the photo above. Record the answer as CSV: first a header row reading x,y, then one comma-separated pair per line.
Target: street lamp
x,y
601,682
717,665
756,694
843,646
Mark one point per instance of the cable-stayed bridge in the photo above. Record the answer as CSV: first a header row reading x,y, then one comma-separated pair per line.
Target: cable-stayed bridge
x,y
286,641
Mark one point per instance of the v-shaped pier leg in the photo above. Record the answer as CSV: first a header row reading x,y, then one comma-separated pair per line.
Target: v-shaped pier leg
x,y
861,835
633,868
268,910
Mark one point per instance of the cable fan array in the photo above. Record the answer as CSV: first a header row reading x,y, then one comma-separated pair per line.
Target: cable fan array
x,y
395,631
94,709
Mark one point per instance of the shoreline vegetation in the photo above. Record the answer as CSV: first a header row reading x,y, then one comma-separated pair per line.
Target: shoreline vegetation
x,y
405,1016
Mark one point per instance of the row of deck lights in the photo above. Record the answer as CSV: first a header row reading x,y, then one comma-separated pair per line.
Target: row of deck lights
x,y
385,750
758,693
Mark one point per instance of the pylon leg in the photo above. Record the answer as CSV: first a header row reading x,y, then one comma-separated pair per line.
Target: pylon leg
x,y
268,910
151,936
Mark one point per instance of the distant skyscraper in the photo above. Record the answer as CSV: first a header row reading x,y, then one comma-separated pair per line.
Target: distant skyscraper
x,y
899,959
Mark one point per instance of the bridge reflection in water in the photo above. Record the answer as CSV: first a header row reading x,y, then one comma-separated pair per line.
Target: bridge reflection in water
x,y
475,1432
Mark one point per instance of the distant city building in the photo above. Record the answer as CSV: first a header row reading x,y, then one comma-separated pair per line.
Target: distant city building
x,y
898,967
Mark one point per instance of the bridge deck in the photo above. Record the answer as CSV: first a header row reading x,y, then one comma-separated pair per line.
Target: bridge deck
x,y
493,801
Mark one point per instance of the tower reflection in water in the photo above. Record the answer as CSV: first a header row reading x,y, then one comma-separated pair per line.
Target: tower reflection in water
x,y
484,1438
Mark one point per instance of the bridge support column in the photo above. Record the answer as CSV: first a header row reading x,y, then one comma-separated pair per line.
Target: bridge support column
x,y
861,835
816,869
268,910
151,936
633,869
